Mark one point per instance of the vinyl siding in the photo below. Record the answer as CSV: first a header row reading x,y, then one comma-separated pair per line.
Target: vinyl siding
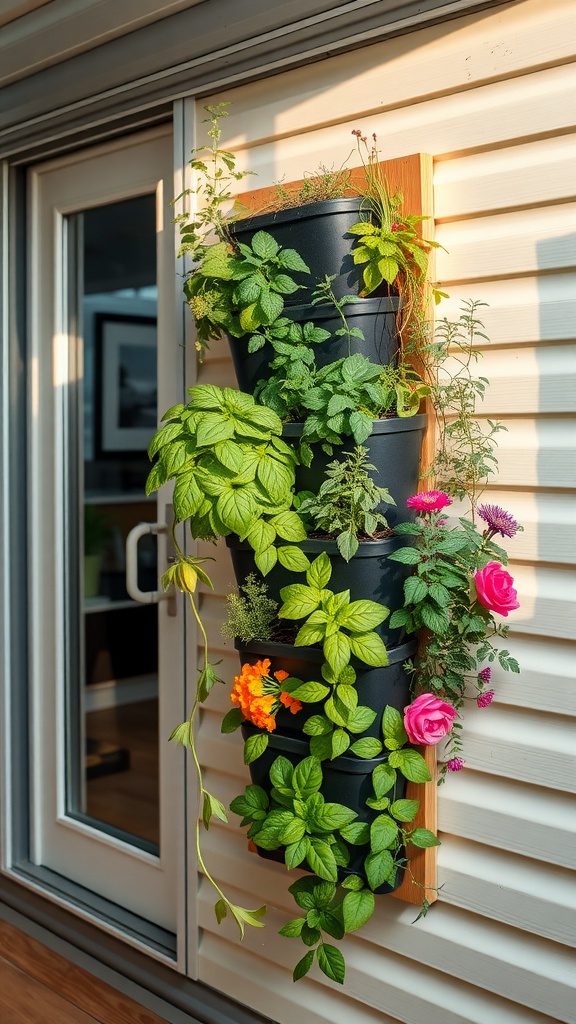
x,y
493,98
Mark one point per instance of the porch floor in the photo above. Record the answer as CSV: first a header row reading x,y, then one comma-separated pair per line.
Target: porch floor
x,y
38,986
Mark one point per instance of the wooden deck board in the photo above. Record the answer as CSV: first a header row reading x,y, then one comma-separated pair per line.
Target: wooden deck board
x,y
38,986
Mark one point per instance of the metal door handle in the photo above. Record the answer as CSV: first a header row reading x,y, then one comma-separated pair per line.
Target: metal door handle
x,y
132,540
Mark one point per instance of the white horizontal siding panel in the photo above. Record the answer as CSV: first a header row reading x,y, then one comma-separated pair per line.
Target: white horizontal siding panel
x,y
534,174
260,981
537,453
514,890
520,744
529,380
502,45
507,244
520,311
529,820
547,602
546,679
495,114
380,978
548,521
448,939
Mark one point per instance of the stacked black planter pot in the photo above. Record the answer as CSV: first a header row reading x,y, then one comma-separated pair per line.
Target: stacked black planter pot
x,y
320,234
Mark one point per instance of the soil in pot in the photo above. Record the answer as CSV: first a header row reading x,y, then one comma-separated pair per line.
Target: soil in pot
x,y
394,447
375,317
346,780
319,233
376,687
369,575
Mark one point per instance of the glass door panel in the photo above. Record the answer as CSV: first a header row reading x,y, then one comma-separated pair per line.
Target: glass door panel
x,y
113,722
107,673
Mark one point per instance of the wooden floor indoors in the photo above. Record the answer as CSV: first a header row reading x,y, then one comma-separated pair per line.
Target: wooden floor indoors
x,y
38,986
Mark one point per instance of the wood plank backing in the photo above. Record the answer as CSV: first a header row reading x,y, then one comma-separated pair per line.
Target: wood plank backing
x,y
39,986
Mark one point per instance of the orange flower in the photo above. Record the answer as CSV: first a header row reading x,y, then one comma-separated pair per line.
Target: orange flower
x,y
259,695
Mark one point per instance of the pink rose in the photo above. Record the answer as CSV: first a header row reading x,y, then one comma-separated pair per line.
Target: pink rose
x,y
428,719
494,589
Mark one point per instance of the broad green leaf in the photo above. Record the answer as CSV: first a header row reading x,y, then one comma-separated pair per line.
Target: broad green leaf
x,y
337,651
307,777
299,601
340,741
292,929
211,807
393,726
404,810
292,260
331,924
407,556
236,509
206,396
265,560
357,908
187,495
361,719
229,454
412,765
254,747
289,526
378,868
260,536
293,832
319,573
366,747
383,780
321,746
436,619
213,428
357,833
333,816
415,590
317,725
321,859
264,245
303,965
182,734
277,481
362,616
295,853
348,695
353,882
347,544
168,433
310,693
293,558
423,838
383,833
232,721
369,647
281,772
309,634
331,962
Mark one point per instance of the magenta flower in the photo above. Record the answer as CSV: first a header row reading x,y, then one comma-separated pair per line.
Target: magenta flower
x,y
498,520
484,699
429,501
455,765
428,719
495,590
485,674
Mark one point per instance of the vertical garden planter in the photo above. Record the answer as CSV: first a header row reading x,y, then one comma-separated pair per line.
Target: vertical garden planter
x,y
346,780
319,233
369,575
376,687
394,448
375,317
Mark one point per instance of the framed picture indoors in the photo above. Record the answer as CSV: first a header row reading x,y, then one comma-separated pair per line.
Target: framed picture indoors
x,y
126,384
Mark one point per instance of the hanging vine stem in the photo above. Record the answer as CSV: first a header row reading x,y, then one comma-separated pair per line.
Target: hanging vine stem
x,y
184,575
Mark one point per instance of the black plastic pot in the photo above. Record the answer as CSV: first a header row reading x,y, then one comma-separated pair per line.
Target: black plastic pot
x,y
376,687
369,575
319,233
393,447
346,780
376,318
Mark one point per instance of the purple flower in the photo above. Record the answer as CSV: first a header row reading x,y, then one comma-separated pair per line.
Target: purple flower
x,y
484,699
455,765
485,674
498,520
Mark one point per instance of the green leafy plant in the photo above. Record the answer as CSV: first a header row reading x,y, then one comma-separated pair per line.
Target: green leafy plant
x,y
251,613
316,187
292,815
232,471
445,597
347,501
465,456
389,246
343,627
240,290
